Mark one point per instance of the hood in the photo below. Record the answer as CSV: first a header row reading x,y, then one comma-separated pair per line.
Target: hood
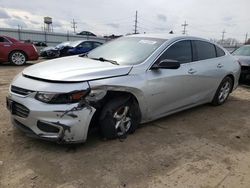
x,y
75,69
244,60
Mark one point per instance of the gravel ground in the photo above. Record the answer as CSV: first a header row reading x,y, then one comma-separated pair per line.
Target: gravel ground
x,y
202,147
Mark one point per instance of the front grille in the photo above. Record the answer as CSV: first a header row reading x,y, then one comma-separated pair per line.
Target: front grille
x,y
45,127
20,91
244,68
20,110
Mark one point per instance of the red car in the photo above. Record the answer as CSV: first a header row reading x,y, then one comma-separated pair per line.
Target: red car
x,y
16,52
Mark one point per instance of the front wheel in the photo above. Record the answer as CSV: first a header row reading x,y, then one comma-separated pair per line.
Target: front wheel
x,y
223,91
120,116
17,58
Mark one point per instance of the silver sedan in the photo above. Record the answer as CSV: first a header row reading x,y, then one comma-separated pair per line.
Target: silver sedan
x,y
128,81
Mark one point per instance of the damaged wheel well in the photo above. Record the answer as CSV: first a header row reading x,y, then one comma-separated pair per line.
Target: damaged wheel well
x,y
109,96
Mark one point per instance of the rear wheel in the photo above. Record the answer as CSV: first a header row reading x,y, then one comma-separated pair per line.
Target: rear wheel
x,y
119,117
223,91
17,58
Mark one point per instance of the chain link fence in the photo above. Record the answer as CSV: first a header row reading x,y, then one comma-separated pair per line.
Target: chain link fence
x,y
50,38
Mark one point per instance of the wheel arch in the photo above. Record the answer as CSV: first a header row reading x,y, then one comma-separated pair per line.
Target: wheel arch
x,y
233,79
18,50
111,94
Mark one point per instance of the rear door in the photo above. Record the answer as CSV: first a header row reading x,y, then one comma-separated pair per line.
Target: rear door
x,y
206,70
5,48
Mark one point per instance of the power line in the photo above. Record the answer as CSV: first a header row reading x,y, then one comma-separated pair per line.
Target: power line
x,y
184,28
74,25
136,22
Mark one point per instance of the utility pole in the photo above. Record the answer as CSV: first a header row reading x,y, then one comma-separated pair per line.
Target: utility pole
x,y
136,22
19,31
246,38
74,26
184,28
223,36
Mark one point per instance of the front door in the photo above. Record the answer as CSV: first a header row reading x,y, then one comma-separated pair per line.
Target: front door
x,y
169,90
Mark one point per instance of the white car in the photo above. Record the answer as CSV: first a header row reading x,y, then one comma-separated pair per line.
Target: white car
x,y
117,86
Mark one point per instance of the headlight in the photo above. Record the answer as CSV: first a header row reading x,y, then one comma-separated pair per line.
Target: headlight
x,y
61,98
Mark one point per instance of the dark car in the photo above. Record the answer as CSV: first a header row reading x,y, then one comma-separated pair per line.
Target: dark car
x,y
84,47
69,48
16,52
86,33
57,51
40,44
243,56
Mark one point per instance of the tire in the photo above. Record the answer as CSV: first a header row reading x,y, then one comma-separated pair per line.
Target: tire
x,y
119,117
223,91
17,58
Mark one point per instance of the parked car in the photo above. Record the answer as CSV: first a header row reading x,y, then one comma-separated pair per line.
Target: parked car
x,y
16,52
40,44
243,56
80,47
87,33
57,51
125,82
69,48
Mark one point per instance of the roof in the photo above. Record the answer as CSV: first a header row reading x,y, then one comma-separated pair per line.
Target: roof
x,y
166,36
10,38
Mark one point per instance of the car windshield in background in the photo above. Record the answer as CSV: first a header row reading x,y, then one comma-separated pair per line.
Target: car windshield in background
x,y
69,43
62,44
75,43
242,51
127,50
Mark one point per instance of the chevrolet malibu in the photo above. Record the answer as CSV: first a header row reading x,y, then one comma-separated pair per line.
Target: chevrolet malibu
x,y
119,85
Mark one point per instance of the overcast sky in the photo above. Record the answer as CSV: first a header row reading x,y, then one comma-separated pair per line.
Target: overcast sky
x,y
206,18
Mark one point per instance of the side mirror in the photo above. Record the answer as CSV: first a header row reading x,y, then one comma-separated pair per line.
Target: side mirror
x,y
166,64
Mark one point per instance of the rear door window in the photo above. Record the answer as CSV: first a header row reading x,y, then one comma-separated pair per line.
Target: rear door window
x,y
85,45
219,51
204,50
96,44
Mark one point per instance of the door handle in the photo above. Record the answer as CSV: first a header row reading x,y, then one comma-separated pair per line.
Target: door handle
x,y
191,71
219,65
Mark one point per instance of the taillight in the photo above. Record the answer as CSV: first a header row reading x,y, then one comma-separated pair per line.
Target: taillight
x,y
34,48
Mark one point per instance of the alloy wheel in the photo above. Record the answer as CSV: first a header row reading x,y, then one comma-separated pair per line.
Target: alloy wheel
x,y
123,121
224,91
18,58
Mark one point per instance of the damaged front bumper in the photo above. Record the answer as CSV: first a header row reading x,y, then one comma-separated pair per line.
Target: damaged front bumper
x,y
50,122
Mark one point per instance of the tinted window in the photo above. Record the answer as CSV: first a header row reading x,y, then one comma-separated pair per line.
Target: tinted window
x,y
219,51
180,51
96,44
85,45
3,39
204,50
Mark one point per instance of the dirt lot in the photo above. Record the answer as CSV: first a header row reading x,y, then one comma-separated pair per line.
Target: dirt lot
x,y
202,147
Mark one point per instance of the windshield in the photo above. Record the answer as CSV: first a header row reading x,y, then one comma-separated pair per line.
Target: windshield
x,y
127,50
242,51
69,43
